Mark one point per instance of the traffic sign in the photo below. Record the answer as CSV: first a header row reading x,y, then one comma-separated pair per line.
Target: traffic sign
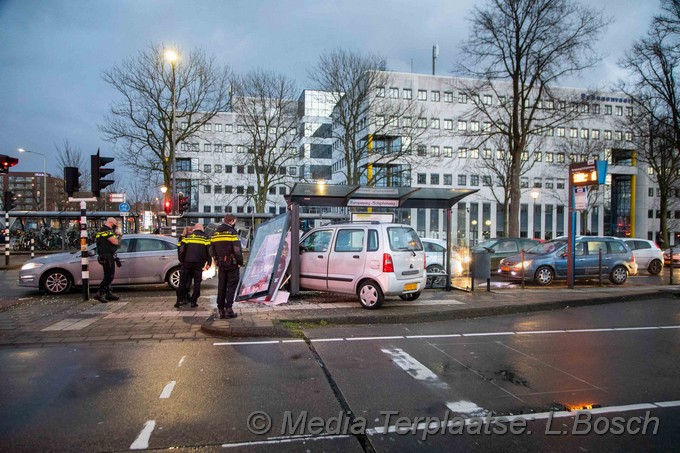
x,y
116,197
124,207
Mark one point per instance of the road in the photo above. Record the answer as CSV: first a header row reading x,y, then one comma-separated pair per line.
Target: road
x,y
620,359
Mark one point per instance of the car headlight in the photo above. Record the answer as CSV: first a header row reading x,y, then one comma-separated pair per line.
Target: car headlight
x,y
29,266
521,264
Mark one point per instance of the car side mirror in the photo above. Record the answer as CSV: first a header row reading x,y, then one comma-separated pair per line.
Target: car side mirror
x,y
303,249
563,255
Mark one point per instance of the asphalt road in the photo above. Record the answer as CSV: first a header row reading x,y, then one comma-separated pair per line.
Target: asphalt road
x,y
619,358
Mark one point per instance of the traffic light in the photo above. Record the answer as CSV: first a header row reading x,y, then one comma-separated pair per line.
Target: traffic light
x,y
71,180
98,172
6,162
8,201
183,203
167,206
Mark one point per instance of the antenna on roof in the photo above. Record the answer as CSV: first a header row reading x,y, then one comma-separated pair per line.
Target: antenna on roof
x,y
435,54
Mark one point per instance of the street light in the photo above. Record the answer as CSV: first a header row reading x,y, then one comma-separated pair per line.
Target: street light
x,y
22,150
172,57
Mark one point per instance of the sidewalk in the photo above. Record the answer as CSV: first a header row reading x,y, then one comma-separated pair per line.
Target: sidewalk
x,y
136,317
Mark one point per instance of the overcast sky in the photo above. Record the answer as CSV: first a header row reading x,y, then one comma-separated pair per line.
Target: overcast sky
x,y
52,52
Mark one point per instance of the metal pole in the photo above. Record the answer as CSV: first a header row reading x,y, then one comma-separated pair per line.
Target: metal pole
x,y
172,142
44,184
521,257
294,249
599,262
32,248
7,238
84,259
671,250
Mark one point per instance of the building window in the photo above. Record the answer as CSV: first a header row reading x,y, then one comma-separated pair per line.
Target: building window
x,y
549,158
448,180
448,96
474,153
487,99
251,169
596,109
282,190
217,189
486,180
474,180
462,125
228,189
549,183
618,135
380,92
218,168
435,151
406,121
448,151
560,158
538,183
524,182
207,127
560,132
619,110
206,208
228,169
487,153
394,93
650,191
422,123
629,136
462,153
462,98
422,178
474,126
607,109
218,148
292,171
407,93
434,179
422,150
538,156
218,127
448,125
240,169
462,180
435,96
206,189
607,135
207,147
207,168
629,111
560,183
584,133
422,95
573,132
435,123
595,134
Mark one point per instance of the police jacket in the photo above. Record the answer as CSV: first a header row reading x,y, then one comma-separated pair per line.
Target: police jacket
x,y
195,248
104,246
226,247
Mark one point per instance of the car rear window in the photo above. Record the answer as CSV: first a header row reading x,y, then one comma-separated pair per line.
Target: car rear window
x,y
642,245
403,238
373,240
617,247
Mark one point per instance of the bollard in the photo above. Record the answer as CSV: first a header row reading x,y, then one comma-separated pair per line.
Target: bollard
x,y
671,250
521,257
599,263
32,248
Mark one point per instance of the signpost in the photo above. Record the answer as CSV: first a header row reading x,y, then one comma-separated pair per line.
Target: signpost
x,y
581,176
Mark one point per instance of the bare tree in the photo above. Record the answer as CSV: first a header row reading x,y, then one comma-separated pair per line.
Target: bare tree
x,y
651,64
518,50
142,120
266,105
71,156
377,135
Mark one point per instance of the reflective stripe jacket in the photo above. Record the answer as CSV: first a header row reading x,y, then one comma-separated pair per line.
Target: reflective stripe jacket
x,y
104,246
194,248
226,246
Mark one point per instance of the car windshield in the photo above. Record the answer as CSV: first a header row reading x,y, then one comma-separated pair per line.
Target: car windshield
x,y
546,247
485,245
403,238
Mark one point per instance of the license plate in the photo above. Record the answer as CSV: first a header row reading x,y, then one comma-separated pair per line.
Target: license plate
x,y
505,268
410,287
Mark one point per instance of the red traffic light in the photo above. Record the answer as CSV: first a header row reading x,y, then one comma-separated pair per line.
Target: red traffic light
x,y
6,162
167,206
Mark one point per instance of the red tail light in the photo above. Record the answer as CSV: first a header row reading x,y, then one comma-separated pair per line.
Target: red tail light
x,y
656,245
388,266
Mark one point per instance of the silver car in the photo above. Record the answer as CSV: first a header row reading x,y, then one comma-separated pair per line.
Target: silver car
x,y
144,259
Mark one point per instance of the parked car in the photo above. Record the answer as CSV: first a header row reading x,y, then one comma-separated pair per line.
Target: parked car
x,y
435,252
548,261
667,256
371,260
503,247
647,254
144,258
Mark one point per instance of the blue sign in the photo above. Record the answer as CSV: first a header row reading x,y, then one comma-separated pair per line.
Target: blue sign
x,y
124,207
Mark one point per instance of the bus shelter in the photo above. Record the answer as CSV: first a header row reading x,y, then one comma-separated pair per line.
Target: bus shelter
x,y
356,196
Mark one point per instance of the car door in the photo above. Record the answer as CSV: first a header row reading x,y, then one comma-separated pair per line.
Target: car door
x,y
146,261
314,251
503,249
561,260
593,258
347,259
643,252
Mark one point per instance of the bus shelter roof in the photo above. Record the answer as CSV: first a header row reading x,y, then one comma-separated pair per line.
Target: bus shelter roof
x,y
327,195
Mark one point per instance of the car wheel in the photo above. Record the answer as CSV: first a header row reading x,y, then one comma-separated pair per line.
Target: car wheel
x,y
619,275
410,296
173,277
435,269
655,267
544,276
370,295
57,281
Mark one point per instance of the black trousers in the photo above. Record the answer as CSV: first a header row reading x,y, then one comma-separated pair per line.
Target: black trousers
x,y
226,286
190,272
109,267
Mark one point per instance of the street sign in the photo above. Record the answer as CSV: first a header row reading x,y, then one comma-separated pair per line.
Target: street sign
x,y
124,207
116,197
580,198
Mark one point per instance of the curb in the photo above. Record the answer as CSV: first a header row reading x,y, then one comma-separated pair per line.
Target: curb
x,y
434,314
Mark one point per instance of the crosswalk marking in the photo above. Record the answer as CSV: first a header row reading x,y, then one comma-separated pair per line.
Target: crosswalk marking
x,y
414,368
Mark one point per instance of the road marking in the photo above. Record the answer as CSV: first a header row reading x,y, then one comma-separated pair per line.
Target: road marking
x,y
168,389
181,361
414,368
447,335
446,423
142,441
467,408
286,440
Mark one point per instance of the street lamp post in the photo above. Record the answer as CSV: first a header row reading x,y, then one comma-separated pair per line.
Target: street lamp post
x,y
44,196
172,56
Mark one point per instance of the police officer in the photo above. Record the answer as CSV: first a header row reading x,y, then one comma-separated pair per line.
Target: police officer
x,y
226,249
108,239
180,256
195,259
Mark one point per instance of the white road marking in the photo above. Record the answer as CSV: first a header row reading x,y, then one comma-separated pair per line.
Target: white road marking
x,y
430,336
142,441
167,390
414,368
446,423
467,408
181,361
286,440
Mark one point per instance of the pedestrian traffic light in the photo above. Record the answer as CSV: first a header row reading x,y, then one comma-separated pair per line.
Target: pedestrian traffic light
x,y
183,203
167,206
71,180
8,201
98,172
6,162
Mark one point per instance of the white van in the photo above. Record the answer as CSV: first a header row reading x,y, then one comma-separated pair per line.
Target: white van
x,y
371,260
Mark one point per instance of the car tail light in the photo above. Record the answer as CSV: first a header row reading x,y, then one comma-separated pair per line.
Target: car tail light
x,y
424,262
388,266
633,260
656,245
